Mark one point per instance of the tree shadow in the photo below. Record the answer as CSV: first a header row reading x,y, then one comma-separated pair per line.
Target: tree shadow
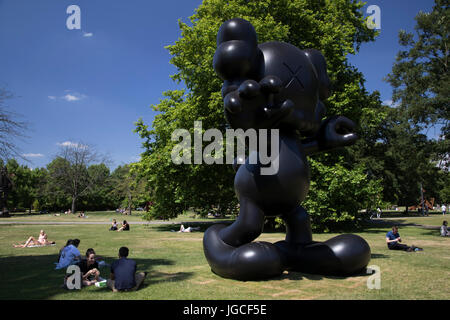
x,y
435,232
34,278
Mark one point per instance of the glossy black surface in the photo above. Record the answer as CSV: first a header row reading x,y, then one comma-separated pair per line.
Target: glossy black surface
x,y
276,85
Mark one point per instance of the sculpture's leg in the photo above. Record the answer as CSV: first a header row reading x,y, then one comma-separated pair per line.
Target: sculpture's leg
x,y
247,227
342,255
230,252
298,227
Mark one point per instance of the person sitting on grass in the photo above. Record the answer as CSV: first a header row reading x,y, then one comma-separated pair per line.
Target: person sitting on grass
x,y
125,226
89,269
69,255
393,240
444,229
123,273
41,241
113,225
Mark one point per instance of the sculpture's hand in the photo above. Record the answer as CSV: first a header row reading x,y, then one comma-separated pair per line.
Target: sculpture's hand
x,y
251,104
337,132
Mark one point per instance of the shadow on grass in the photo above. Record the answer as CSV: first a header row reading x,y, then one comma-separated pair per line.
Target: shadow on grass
x,y
294,275
431,232
34,278
379,256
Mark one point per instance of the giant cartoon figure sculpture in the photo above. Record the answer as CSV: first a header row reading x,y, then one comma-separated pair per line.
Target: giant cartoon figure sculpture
x,y
277,85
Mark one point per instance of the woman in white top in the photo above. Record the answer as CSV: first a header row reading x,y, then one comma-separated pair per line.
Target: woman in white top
x,y
41,241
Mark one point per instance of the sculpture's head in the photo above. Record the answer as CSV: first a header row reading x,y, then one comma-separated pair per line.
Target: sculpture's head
x,y
296,75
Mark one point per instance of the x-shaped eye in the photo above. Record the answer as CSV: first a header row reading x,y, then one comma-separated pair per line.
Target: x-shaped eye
x,y
294,74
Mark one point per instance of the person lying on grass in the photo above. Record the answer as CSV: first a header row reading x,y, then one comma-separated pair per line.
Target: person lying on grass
x,y
188,229
41,241
393,240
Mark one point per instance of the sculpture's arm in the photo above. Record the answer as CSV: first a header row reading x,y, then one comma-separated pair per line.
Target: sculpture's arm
x,y
334,132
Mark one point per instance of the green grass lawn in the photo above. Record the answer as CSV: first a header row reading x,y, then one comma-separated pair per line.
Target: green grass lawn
x,y
178,269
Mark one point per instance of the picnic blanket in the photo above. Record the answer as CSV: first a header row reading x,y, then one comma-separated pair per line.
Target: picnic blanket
x,y
40,245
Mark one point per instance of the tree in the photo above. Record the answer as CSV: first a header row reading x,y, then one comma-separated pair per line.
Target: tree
x,y
303,23
128,187
73,171
10,129
420,79
98,198
420,76
25,181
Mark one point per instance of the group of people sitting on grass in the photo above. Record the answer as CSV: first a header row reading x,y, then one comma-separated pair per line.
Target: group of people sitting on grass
x,y
123,275
125,226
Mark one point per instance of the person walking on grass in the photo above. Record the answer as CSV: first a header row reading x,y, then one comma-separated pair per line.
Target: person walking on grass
x,y
123,273
393,240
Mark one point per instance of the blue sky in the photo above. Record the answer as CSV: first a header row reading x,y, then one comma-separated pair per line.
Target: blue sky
x,y
91,85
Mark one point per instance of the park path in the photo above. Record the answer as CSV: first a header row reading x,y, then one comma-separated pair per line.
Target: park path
x,y
3,222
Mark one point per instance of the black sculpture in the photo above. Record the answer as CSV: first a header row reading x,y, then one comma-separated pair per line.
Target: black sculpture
x,y
277,85
5,188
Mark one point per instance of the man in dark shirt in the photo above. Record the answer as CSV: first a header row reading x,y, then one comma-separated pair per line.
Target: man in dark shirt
x,y
393,240
123,273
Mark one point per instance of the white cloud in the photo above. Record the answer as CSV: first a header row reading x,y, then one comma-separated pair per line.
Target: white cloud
x,y
391,104
71,97
33,155
71,144
87,34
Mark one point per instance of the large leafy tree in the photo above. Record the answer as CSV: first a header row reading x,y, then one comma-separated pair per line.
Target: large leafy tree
x,y
420,76
26,185
420,79
337,28
128,189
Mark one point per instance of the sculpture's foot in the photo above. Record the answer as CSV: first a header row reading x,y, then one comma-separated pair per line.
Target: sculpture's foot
x,y
343,255
251,261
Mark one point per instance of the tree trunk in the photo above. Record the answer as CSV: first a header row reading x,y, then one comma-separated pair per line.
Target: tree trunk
x,y
129,204
74,199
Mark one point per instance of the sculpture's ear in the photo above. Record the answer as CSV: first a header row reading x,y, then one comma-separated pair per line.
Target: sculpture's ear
x,y
237,55
319,63
237,29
